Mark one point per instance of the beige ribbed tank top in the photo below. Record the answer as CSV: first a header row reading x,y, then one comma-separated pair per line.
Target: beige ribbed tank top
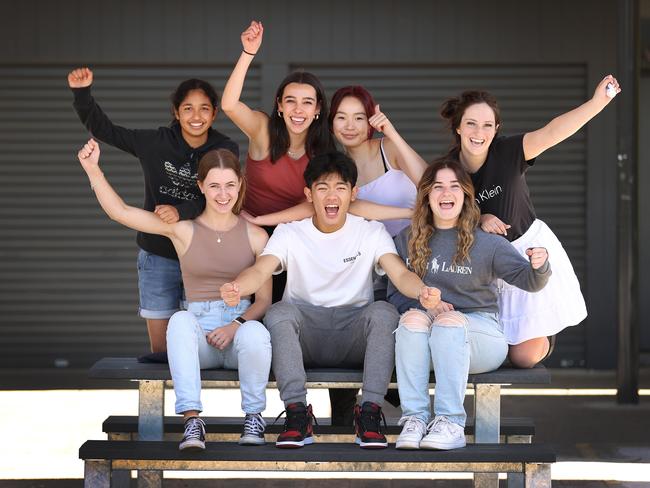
x,y
214,258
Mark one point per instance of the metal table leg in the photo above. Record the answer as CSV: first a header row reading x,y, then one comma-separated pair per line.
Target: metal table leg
x,y
487,411
151,405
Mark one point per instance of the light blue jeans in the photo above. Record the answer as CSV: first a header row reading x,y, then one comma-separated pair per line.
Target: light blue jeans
x,y
188,352
477,346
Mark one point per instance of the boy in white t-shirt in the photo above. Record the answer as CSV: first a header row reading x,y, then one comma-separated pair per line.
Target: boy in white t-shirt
x,y
327,317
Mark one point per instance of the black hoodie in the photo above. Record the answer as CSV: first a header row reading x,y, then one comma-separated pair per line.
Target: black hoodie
x,y
168,163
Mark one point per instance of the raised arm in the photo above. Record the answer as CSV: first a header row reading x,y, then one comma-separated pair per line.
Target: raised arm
x,y
401,155
115,207
565,125
94,118
251,122
407,282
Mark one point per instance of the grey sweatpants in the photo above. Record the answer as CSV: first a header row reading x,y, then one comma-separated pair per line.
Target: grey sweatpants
x,y
338,337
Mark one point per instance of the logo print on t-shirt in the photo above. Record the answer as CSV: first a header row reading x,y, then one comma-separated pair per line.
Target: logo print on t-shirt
x,y
352,258
452,268
183,181
486,194
434,265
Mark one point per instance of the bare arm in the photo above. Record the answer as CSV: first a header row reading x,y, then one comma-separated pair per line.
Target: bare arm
x,y
362,208
565,125
117,209
248,281
401,155
375,211
407,282
297,212
252,123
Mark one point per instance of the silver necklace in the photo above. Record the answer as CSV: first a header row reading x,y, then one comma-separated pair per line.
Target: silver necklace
x,y
295,154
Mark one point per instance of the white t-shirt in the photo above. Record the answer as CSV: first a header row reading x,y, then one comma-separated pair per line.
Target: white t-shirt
x,y
330,269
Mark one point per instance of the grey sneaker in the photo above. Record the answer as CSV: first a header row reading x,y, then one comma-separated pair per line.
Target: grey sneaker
x,y
194,435
253,434
412,433
442,433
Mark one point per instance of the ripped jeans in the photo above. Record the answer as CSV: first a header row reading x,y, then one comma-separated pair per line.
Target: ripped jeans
x,y
454,344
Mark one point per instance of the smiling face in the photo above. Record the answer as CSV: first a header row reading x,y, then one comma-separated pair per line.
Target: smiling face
x,y
477,129
446,199
299,106
221,189
195,114
331,197
350,123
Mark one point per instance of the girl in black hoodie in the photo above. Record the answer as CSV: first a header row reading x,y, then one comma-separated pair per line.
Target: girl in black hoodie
x,y
169,158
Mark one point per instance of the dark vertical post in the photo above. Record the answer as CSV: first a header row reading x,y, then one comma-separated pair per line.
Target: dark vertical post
x,y
627,209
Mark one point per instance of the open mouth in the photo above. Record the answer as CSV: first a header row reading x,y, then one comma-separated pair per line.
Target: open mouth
x,y
476,142
331,210
196,125
446,204
297,120
223,202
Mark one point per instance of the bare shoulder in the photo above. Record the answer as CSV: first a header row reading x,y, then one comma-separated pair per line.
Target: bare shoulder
x,y
257,237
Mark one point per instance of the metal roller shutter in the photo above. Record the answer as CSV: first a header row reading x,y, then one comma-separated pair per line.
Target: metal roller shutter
x,y
529,97
69,290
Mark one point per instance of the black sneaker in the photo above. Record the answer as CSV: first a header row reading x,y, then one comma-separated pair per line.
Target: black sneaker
x,y
297,427
367,422
194,435
253,434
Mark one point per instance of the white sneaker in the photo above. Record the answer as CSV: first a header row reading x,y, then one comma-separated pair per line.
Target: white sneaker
x,y
412,433
443,434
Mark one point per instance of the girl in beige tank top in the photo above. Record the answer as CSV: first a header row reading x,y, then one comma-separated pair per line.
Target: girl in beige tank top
x,y
212,249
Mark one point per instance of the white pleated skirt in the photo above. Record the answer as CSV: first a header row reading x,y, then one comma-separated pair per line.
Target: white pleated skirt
x,y
558,305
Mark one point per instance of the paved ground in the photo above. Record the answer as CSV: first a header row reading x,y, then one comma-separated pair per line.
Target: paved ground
x,y
49,425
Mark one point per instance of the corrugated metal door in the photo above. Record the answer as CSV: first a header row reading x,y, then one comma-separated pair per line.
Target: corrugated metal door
x,y
529,97
68,293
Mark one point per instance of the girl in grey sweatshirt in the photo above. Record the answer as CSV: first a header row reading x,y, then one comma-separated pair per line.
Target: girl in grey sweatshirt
x,y
462,335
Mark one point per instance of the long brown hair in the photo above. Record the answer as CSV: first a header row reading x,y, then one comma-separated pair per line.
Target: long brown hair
x,y
223,159
422,227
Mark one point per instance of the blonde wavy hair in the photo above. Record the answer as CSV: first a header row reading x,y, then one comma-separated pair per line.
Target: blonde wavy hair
x,y
422,228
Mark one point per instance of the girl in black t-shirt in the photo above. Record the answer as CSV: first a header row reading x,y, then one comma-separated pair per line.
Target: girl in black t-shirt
x,y
498,166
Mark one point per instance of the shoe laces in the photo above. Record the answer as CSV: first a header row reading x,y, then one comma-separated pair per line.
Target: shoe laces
x,y
296,420
194,428
441,423
413,424
370,421
254,424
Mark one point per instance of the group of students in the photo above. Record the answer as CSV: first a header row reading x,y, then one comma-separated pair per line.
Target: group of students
x,y
458,295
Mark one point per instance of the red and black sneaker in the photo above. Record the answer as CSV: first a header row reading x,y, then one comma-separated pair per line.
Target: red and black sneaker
x,y
367,423
297,427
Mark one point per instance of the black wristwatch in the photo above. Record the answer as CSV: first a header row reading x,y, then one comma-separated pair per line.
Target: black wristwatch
x,y
240,320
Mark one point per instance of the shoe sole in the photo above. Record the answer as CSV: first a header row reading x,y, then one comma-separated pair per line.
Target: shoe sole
x,y
407,445
294,444
370,445
192,446
441,446
251,442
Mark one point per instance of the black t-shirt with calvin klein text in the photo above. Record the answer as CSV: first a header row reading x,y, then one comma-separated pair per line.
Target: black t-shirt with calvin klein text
x,y
500,185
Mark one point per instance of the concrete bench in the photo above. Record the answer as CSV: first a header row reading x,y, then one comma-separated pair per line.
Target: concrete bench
x,y
153,378
532,461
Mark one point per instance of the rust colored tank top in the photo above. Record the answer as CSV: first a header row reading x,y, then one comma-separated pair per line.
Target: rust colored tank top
x,y
274,187
214,258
